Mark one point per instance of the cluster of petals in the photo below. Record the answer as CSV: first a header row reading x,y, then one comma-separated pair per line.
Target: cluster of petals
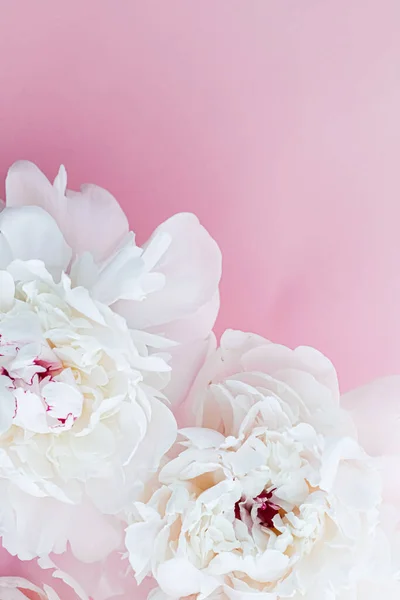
x,y
269,495
99,337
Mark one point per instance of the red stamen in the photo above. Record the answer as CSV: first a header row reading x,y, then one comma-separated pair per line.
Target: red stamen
x,y
266,511
237,511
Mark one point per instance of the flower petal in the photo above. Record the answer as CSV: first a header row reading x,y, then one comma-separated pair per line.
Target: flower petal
x,y
186,307
178,578
32,233
7,291
191,264
5,252
97,223
91,220
45,525
375,409
26,185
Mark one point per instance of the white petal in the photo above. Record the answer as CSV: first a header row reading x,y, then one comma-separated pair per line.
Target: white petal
x,y
192,269
266,567
375,409
7,404
30,412
139,541
5,252
33,234
80,299
178,578
97,224
185,361
7,291
62,400
203,438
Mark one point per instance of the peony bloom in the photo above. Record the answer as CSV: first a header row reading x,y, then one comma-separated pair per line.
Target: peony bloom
x,y
90,324
270,496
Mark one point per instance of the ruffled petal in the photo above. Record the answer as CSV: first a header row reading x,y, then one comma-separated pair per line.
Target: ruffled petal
x,y
186,307
191,264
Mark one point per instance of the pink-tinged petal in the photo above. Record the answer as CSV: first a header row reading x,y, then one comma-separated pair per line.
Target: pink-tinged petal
x,y
18,588
26,185
375,409
44,525
31,233
189,355
191,264
186,307
96,222
91,220
186,360
103,580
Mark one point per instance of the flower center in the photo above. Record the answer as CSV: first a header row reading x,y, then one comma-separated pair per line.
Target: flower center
x,y
266,511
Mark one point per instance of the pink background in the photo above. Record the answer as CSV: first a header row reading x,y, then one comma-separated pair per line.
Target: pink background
x,y
277,122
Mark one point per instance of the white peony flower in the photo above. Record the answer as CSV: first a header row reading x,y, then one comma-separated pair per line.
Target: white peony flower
x,y
270,496
89,326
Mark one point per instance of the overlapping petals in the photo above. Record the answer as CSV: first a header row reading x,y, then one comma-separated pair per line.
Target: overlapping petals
x,y
88,324
270,495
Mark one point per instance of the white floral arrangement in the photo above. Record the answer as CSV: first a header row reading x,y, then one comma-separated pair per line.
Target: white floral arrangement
x,y
274,487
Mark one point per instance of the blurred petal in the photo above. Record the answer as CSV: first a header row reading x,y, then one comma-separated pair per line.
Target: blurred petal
x,y
375,409
44,525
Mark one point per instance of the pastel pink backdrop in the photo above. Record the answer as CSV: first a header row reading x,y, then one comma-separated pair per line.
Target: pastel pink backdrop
x,y
277,122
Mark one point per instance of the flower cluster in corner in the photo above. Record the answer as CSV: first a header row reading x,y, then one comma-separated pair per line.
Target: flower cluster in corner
x,y
99,337
275,487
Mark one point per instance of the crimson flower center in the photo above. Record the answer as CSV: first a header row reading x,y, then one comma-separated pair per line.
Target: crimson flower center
x,y
266,511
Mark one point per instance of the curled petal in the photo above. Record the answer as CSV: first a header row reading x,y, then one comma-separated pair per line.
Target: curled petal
x,y
191,264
